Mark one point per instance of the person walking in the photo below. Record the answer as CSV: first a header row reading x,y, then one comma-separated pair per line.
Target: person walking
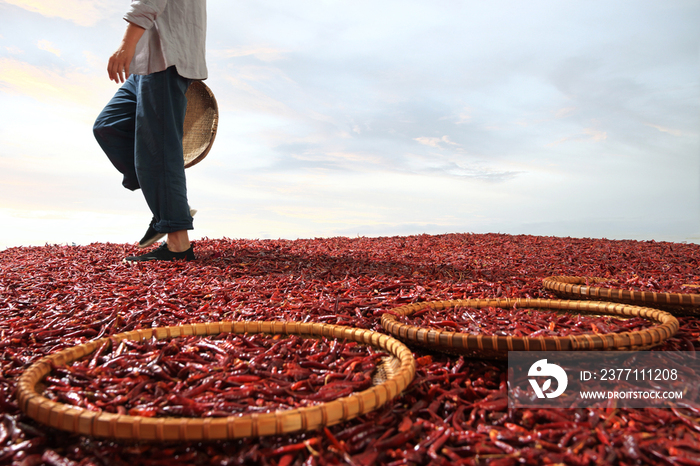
x,y
141,128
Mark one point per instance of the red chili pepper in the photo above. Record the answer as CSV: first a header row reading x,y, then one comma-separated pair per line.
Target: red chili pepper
x,y
54,459
86,293
399,439
314,442
334,441
438,443
523,322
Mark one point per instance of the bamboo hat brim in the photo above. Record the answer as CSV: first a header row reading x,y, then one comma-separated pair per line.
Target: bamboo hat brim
x,y
201,122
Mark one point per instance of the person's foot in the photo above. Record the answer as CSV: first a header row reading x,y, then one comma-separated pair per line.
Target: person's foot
x,y
163,254
152,235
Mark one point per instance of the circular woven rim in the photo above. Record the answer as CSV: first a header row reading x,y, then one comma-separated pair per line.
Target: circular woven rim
x,y
200,99
498,346
576,287
400,370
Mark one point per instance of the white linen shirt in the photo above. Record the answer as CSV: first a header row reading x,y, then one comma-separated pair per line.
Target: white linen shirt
x,y
175,36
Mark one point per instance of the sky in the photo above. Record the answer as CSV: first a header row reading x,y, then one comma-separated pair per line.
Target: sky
x,y
355,118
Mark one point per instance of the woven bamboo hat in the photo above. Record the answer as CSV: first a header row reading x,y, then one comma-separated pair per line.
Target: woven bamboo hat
x,y
201,121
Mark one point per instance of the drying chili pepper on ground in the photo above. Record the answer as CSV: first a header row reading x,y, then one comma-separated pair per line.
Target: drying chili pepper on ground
x,y
454,412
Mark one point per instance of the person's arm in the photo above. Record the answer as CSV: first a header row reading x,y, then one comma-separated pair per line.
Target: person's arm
x,y
118,66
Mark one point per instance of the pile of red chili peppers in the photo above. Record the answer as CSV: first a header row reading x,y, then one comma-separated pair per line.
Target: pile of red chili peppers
x,y
652,284
519,322
454,412
215,376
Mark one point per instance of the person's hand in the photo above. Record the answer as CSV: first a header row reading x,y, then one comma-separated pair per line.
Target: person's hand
x,y
118,65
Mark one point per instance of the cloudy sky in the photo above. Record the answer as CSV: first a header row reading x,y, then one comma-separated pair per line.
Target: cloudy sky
x,y
375,117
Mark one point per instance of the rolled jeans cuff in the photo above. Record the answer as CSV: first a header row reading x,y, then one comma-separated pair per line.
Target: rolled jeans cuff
x,y
170,226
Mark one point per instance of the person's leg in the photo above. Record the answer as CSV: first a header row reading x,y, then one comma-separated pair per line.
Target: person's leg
x,y
152,235
178,241
159,163
114,130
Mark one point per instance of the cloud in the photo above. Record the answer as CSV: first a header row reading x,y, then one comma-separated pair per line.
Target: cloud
x,y
435,142
14,50
81,12
338,215
673,132
48,47
262,53
18,77
595,135
95,62
475,171
244,95
463,118
587,135
564,112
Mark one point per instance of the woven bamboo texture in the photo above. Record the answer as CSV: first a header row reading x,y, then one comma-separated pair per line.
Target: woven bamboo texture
x,y
396,372
575,287
201,123
497,347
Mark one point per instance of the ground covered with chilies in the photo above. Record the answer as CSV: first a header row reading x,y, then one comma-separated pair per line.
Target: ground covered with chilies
x,y
454,412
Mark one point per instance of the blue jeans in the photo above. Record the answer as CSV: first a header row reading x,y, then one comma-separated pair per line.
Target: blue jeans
x,y
140,130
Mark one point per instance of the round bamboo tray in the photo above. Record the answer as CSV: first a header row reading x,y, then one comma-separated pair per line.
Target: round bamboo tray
x,y
201,123
575,287
497,347
395,373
